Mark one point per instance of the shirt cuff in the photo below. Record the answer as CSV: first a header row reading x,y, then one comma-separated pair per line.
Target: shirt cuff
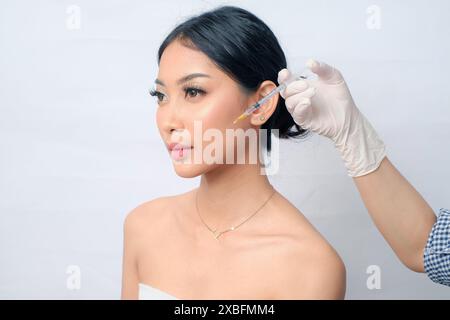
x,y
437,251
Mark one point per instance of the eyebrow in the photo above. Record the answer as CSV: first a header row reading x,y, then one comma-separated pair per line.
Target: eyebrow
x,y
185,78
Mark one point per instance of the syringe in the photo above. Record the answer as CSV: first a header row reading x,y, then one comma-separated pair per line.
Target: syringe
x,y
281,87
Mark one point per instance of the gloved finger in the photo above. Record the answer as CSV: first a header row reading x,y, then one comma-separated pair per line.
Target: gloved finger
x,y
283,74
308,93
302,115
294,101
291,102
325,72
295,87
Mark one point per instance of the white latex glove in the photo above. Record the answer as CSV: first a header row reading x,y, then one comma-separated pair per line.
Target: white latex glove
x,y
325,106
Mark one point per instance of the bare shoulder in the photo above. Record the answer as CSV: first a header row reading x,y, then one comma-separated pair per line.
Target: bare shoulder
x,y
313,270
151,214
310,267
140,216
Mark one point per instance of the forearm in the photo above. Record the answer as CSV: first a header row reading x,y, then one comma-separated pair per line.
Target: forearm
x,y
400,213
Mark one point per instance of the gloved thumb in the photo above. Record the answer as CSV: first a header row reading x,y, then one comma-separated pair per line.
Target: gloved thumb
x,y
283,74
325,72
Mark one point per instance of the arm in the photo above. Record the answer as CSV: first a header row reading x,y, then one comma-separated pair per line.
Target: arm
x,y
130,277
398,210
138,223
400,213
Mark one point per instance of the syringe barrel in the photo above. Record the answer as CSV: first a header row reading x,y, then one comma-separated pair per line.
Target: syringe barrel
x,y
282,86
304,74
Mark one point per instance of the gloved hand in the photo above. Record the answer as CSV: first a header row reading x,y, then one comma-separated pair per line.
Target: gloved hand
x,y
325,106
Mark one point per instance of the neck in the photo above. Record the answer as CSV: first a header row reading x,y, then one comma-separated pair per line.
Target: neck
x,y
231,193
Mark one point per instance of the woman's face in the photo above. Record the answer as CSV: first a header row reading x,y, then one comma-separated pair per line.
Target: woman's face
x,y
197,112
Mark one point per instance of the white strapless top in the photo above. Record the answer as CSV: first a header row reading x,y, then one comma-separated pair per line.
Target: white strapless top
x,y
147,292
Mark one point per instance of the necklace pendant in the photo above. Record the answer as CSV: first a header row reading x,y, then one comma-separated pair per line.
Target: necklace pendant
x,y
217,234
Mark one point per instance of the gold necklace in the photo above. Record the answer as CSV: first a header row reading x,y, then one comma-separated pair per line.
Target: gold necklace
x,y
217,234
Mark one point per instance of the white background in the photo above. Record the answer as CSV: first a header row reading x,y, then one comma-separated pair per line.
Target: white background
x,y
79,146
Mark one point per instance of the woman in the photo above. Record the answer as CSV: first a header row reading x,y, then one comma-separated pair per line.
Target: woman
x,y
233,237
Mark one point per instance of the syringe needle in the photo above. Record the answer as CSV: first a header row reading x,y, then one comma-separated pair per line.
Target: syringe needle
x,y
242,116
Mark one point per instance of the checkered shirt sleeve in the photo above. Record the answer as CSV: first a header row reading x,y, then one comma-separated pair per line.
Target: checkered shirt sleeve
x,y
437,251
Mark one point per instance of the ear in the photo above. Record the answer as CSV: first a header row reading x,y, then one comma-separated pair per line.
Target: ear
x,y
259,116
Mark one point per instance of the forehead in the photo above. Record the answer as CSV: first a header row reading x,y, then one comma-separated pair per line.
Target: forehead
x,y
178,60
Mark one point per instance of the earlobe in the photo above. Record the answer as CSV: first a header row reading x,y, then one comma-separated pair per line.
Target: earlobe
x,y
258,119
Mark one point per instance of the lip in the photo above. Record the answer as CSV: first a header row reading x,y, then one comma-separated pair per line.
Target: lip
x,y
178,151
177,146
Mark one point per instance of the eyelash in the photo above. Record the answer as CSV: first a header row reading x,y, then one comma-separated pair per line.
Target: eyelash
x,y
186,89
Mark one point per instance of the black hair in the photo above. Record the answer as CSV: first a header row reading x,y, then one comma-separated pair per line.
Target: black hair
x,y
243,47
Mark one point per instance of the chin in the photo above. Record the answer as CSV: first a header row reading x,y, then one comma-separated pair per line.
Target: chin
x,y
186,170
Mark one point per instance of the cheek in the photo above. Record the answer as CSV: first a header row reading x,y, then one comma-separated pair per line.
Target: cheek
x,y
220,114
159,117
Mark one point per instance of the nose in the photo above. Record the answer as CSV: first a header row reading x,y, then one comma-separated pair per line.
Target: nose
x,y
173,119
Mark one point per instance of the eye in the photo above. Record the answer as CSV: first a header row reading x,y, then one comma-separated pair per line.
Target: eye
x,y
155,93
193,91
